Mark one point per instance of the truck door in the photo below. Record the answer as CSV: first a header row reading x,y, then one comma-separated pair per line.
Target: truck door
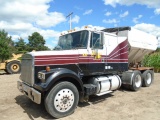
x,y
97,54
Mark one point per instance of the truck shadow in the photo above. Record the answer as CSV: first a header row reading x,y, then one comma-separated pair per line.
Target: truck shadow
x,y
95,100
125,89
34,110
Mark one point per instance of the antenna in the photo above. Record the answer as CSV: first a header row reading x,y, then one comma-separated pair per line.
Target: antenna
x,y
70,15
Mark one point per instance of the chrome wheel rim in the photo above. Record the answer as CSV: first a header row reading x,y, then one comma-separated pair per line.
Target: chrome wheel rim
x,y
149,78
138,81
64,100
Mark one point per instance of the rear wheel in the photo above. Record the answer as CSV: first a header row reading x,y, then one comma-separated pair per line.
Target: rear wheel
x,y
13,67
147,78
62,100
136,81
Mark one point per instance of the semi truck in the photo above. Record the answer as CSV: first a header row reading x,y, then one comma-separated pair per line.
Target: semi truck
x,y
84,63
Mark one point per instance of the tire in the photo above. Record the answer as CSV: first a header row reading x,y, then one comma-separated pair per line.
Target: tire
x,y
136,81
147,77
13,67
62,100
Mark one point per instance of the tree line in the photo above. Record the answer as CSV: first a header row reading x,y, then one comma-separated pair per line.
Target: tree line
x,y
152,60
8,46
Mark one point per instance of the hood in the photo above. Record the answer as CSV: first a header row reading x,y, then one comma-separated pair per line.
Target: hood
x,y
44,58
54,53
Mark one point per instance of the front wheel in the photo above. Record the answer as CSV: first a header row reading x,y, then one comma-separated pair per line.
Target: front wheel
x,y
62,99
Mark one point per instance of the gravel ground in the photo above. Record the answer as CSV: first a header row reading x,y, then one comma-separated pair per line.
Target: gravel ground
x,y
120,105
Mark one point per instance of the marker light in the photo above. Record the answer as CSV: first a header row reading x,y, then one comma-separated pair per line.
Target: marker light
x,y
85,27
48,68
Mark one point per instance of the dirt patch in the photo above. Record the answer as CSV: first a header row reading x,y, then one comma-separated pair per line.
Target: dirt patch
x,y
120,105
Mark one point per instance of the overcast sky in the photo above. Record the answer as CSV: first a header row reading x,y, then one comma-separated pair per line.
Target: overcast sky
x,y
21,18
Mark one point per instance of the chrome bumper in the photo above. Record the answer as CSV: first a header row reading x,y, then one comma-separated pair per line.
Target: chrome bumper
x,y
30,92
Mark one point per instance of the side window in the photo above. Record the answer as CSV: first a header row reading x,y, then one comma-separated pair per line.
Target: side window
x,y
96,41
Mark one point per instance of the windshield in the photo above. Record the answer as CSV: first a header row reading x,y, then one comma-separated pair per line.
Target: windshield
x,y
73,40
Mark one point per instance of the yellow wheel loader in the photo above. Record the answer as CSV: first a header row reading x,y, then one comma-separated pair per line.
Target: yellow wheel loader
x,y
12,66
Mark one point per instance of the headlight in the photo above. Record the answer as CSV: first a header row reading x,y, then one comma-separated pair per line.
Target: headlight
x,y
41,76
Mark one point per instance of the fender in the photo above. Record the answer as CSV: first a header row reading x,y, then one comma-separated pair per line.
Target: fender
x,y
127,77
57,74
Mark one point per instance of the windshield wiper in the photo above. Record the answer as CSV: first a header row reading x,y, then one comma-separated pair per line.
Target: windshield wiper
x,y
80,46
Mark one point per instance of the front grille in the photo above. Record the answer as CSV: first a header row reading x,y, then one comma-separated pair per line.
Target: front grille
x,y
27,69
